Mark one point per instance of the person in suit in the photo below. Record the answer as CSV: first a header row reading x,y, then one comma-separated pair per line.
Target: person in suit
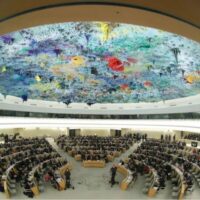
x,y
113,171
27,190
1,187
68,179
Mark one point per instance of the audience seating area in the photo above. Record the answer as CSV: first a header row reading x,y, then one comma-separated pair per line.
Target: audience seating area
x,y
161,160
30,163
93,150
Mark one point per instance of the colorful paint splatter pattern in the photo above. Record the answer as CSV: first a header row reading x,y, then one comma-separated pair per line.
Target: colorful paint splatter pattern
x,y
98,62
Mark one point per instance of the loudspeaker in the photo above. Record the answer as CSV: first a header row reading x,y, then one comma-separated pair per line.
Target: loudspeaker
x,y
118,133
72,132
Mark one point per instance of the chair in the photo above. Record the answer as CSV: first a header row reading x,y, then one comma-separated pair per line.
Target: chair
x,y
149,183
41,188
197,175
175,178
13,191
148,175
11,185
176,188
190,188
12,181
175,194
1,97
145,190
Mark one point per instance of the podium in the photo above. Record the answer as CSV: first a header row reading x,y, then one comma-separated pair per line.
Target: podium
x,y
78,157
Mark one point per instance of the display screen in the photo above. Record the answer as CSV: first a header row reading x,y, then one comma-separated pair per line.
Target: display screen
x,y
194,144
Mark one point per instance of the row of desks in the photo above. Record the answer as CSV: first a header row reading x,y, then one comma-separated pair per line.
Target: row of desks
x,y
62,182
6,178
180,174
127,174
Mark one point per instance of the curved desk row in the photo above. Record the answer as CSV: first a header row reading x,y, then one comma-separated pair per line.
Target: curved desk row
x,y
94,163
181,183
153,187
128,176
18,143
185,153
59,174
12,156
179,176
10,184
151,179
15,149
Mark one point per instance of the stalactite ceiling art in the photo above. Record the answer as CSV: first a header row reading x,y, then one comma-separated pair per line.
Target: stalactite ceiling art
x,y
98,62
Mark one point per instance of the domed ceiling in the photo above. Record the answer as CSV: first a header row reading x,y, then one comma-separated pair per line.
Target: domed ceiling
x,y
98,62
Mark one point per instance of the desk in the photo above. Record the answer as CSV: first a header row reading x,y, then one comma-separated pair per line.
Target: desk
x,y
6,190
183,185
6,181
110,158
116,153
153,189
64,167
94,163
123,150
61,184
60,172
128,176
35,190
70,152
78,157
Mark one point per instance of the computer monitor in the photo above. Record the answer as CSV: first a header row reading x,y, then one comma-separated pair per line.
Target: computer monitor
x,y
194,144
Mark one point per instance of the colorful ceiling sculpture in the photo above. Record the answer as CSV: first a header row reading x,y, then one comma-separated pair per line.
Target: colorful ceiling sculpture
x,y
98,62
